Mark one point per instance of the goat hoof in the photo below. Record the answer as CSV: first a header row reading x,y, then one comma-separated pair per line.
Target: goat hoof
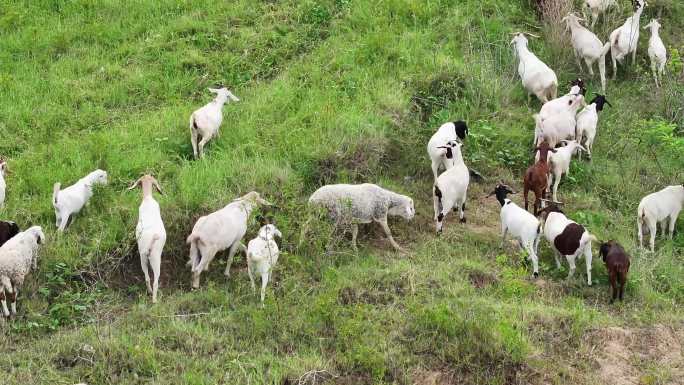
x,y
463,220
536,275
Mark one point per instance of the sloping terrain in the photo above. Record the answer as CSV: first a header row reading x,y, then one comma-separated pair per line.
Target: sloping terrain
x,y
331,91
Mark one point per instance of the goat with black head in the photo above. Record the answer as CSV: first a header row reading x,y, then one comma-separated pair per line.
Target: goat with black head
x,y
587,121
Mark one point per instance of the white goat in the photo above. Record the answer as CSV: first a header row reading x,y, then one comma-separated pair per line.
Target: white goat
x,y
567,238
262,255
597,7
218,231
17,257
440,156
150,232
587,121
559,163
588,47
363,203
206,121
451,187
71,200
624,40
3,185
658,207
537,77
522,225
656,51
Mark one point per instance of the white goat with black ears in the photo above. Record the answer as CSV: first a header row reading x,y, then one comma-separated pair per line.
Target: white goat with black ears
x,y
71,200
656,51
537,77
588,47
441,157
262,256
587,122
451,187
624,40
18,256
150,232
221,230
658,207
206,121
522,225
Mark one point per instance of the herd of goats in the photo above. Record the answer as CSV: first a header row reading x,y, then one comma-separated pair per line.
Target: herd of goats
x,y
561,131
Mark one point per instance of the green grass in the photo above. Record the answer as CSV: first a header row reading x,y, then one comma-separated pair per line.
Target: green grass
x,y
331,91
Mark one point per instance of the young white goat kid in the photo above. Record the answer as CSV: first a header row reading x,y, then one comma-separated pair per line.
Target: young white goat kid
x,y
624,40
588,47
537,77
17,257
560,163
451,187
205,122
150,232
441,157
597,7
658,207
656,52
71,200
262,255
522,225
218,231
587,122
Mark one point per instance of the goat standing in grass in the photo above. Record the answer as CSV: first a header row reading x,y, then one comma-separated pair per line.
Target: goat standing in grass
x,y
537,77
624,40
150,232
617,263
588,47
658,207
71,200
218,231
656,52
205,122
536,177
262,256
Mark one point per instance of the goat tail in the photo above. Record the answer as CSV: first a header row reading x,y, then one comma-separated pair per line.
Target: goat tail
x,y
195,254
592,238
55,192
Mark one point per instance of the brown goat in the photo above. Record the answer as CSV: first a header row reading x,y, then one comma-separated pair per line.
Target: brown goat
x,y
536,176
617,263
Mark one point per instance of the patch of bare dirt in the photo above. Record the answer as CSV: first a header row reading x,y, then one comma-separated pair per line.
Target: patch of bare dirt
x,y
622,354
433,377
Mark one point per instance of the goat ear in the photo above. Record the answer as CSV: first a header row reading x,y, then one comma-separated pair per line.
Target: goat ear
x,y
137,182
156,185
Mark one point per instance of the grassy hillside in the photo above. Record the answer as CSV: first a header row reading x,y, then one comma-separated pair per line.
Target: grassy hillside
x,y
331,91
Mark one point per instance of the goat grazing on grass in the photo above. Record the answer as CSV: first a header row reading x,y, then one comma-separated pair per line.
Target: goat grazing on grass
x,y
617,263
17,257
206,121
658,207
536,176
363,203
218,231
150,232
71,200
